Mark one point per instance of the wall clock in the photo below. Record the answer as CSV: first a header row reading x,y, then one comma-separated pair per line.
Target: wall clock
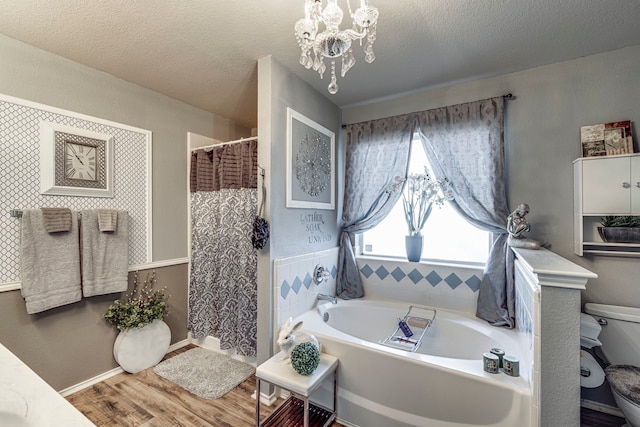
x,y
75,162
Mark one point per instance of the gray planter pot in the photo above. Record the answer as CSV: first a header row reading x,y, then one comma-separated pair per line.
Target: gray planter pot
x,y
413,244
620,234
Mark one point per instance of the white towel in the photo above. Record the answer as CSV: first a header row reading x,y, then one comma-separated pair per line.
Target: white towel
x,y
50,263
105,261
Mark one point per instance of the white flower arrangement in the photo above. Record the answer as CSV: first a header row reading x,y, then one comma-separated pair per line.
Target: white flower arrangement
x,y
420,193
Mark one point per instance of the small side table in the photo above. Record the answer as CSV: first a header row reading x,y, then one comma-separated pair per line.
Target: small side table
x,y
297,410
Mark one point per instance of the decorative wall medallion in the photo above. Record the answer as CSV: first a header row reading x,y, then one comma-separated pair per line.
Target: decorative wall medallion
x,y
310,163
75,162
313,164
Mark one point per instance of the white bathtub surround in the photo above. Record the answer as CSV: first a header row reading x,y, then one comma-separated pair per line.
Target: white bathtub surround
x,y
548,319
446,286
295,291
26,400
442,384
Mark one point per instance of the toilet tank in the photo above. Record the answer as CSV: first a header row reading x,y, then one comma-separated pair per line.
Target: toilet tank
x,y
621,335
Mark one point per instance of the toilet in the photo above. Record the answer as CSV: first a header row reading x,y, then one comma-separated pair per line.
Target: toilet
x,y
620,339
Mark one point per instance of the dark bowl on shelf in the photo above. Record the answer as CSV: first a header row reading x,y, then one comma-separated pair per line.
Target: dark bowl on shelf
x,y
620,234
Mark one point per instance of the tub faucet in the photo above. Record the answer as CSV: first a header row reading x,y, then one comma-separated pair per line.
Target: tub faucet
x,y
325,297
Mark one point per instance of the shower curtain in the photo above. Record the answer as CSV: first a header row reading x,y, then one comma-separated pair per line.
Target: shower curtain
x,y
223,283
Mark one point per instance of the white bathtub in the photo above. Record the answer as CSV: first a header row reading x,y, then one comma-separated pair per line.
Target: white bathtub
x,y
443,384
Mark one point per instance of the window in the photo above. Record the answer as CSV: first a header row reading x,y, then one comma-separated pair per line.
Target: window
x,y
448,237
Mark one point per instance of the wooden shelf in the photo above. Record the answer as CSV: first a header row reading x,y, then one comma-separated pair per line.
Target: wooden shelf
x,y
291,413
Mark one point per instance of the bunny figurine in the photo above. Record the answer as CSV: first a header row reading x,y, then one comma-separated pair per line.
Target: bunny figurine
x,y
288,339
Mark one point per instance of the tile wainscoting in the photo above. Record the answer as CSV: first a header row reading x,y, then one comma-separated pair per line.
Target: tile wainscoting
x,y
295,291
444,286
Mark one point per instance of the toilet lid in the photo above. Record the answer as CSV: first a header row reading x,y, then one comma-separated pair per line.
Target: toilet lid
x,y
625,379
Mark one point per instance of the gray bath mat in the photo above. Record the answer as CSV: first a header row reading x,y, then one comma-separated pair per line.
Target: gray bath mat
x,y
204,373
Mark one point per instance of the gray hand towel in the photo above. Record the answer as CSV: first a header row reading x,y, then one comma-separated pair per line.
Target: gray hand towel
x,y
107,220
56,219
105,260
50,263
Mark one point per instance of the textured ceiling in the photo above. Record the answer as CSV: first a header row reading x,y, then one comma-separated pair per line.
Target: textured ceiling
x,y
205,52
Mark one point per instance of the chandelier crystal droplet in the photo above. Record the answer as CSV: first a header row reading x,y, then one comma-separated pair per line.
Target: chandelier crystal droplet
x,y
331,42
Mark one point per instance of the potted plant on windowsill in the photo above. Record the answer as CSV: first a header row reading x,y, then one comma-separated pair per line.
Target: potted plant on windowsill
x,y
420,193
144,337
620,229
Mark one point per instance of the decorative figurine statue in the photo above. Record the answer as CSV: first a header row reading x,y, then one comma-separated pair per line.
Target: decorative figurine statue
x,y
517,225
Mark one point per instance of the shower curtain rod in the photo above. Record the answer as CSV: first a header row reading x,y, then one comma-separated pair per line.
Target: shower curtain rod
x,y
225,143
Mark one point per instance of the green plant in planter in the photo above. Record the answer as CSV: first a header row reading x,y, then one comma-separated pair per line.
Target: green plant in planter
x,y
141,307
620,221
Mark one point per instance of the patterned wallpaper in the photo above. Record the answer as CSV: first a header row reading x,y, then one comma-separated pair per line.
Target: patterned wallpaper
x,y
20,179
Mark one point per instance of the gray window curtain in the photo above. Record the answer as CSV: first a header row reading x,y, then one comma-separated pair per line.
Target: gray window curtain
x,y
377,154
465,143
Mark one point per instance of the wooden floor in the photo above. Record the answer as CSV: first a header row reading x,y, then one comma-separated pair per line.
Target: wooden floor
x,y
590,418
146,399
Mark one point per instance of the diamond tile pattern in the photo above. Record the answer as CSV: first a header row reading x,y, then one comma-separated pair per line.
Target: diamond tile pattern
x,y
307,280
473,283
382,272
433,278
20,179
297,284
452,280
284,289
398,274
415,276
366,271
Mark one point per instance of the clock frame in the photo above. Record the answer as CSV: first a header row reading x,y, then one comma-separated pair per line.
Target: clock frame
x,y
75,162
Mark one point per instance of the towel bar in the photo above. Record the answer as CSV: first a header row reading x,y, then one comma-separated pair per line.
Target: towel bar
x,y
17,213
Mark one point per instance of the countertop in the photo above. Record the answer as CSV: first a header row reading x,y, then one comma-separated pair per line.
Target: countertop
x,y
27,400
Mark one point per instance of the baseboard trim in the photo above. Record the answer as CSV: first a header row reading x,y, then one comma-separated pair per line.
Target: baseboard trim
x,y
113,372
601,407
91,381
212,343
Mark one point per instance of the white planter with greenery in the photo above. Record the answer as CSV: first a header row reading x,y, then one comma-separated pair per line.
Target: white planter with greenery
x,y
144,337
137,349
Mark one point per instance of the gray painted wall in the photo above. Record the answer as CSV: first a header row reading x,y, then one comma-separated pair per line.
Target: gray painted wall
x,y
39,76
542,134
279,88
73,343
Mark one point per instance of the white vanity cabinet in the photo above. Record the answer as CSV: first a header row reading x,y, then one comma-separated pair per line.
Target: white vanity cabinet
x,y
608,185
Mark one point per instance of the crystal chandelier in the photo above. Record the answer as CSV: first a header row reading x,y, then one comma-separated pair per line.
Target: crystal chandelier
x,y
332,42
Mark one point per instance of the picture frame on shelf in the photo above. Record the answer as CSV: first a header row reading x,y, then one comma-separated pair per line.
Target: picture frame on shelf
x,y
606,139
75,162
310,170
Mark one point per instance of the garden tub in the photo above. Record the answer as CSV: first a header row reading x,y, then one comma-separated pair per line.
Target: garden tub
x,y
441,384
